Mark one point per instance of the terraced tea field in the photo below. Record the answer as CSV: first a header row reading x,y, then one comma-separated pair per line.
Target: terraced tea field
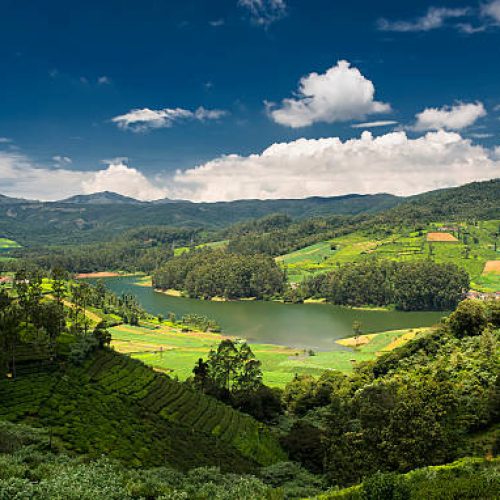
x,y
116,405
169,350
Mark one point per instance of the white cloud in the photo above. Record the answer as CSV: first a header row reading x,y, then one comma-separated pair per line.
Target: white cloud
x,y
434,18
391,163
142,120
19,176
492,10
216,23
380,123
324,167
264,12
61,161
120,178
481,135
5,140
341,93
456,117
104,80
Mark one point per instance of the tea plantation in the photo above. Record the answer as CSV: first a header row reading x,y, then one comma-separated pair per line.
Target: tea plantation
x,y
117,406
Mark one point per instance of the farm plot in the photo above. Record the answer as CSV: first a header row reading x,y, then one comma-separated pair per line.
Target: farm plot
x,y
176,353
492,266
441,237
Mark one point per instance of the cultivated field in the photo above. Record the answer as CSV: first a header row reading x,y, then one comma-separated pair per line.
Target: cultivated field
x,y
471,252
168,349
441,237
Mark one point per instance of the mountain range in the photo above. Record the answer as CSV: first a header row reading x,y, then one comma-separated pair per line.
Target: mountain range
x,y
92,217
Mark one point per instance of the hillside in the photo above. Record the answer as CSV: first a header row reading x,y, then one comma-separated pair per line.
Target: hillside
x,y
117,406
87,219
470,246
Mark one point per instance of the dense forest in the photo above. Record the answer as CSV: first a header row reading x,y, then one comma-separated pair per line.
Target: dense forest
x,y
140,249
412,407
410,286
207,273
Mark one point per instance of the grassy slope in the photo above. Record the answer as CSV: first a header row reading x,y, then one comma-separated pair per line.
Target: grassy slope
x,y
168,349
403,246
120,407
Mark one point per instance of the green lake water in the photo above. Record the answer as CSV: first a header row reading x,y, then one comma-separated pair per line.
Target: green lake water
x,y
305,326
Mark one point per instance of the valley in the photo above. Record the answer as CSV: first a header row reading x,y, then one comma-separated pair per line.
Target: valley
x,y
247,353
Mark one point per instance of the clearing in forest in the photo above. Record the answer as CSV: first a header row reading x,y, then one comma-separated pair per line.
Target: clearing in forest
x,y
441,237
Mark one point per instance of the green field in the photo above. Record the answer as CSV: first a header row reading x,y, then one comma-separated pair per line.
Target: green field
x,y
403,246
212,244
6,244
170,350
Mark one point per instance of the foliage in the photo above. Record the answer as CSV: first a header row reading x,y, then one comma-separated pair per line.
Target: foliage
x,y
419,285
472,478
468,319
414,406
209,273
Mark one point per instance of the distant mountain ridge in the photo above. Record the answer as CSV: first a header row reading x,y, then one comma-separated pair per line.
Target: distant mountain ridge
x,y
102,216
100,198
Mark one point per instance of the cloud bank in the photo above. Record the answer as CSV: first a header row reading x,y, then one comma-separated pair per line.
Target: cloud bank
x,y
307,167
341,93
393,163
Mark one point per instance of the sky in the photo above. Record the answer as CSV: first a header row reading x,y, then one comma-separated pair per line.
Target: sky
x,y
233,99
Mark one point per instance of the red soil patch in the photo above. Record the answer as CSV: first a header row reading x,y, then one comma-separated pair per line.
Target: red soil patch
x,y
444,237
101,274
492,266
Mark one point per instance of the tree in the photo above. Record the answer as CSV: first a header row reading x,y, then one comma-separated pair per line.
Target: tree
x,y
10,328
102,335
469,319
231,368
356,329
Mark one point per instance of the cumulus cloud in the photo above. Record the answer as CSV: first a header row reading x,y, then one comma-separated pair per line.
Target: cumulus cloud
x,y
434,18
456,117
264,12
122,179
19,176
324,167
145,119
5,140
380,123
342,93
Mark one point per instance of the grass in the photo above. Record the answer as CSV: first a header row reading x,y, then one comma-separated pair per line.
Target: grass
x,y
212,244
6,244
172,351
402,246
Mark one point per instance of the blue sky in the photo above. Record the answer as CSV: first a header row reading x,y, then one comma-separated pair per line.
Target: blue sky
x,y
121,95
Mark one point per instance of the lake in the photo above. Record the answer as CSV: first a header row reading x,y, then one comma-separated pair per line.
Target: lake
x,y
304,326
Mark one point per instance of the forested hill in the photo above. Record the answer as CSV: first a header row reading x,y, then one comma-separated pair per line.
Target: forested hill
x,y
477,200
80,219
103,216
